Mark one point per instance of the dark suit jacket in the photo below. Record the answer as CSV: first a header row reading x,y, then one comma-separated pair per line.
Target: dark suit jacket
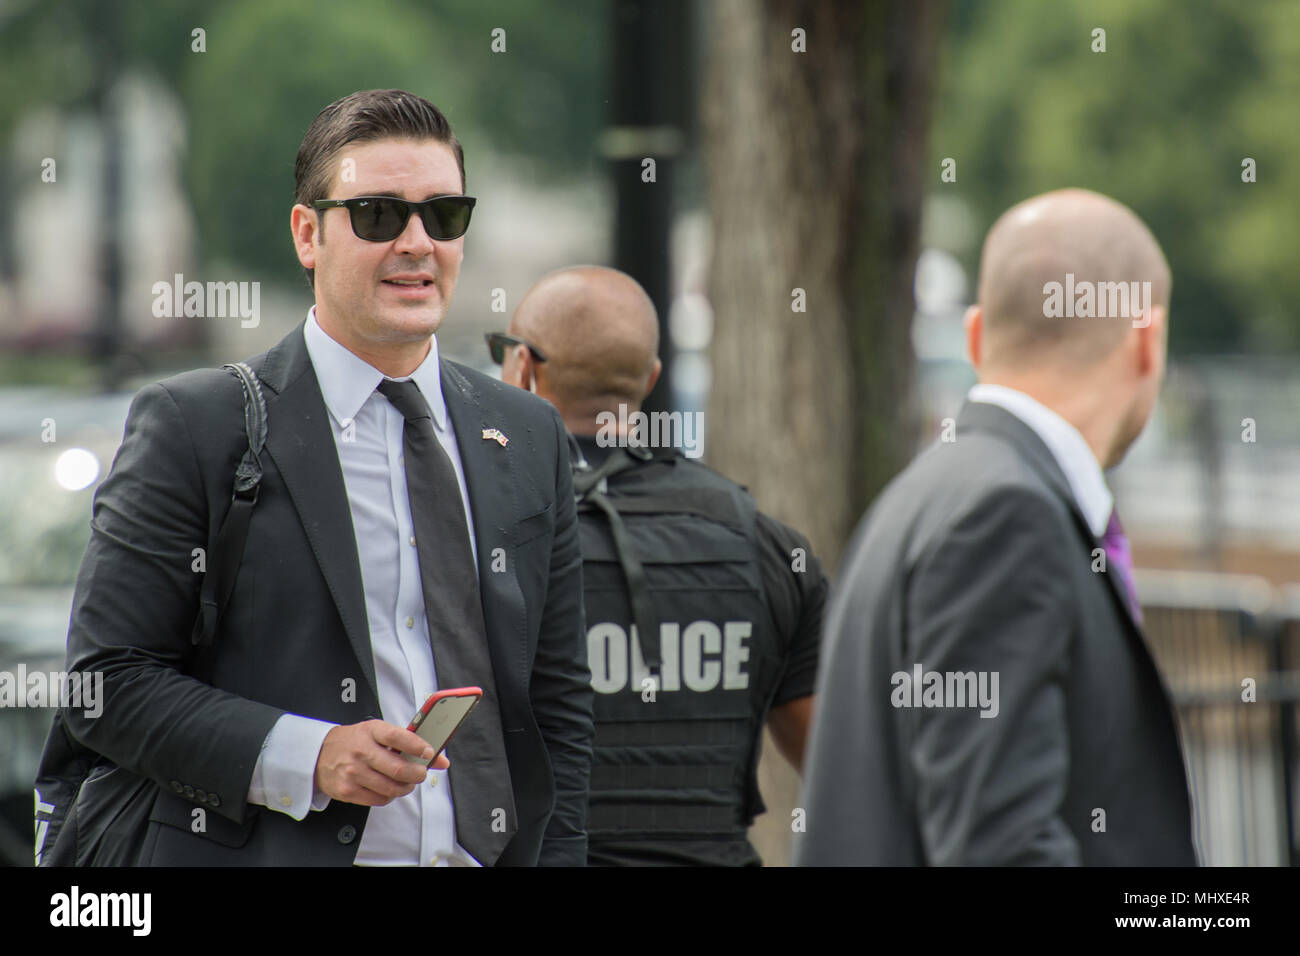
x,y
976,558
294,636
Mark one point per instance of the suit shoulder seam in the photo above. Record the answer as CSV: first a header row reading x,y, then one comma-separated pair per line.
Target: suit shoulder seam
x,y
189,439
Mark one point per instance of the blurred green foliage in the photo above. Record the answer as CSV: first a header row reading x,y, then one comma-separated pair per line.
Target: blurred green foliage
x,y
1161,121
268,68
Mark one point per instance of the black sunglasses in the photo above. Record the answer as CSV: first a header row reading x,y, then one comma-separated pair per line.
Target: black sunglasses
x,y
498,342
381,218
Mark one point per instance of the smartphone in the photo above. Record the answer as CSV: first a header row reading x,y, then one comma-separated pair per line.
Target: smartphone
x,y
440,716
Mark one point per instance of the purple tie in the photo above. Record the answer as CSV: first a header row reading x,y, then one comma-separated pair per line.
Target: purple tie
x,y
1115,543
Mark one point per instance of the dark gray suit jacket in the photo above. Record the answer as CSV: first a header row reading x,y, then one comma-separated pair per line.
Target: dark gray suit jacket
x,y
977,559
295,631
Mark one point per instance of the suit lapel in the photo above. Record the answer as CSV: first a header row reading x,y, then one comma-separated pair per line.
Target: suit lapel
x,y
1120,590
301,442
490,482
984,416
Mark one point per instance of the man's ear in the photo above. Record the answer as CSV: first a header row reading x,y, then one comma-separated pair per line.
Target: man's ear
x,y
1151,340
974,323
519,372
303,224
654,377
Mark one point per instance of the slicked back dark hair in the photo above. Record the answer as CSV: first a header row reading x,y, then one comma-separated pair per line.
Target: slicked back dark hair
x,y
362,117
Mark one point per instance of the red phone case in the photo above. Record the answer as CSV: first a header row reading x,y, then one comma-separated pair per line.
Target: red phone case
x,y
454,693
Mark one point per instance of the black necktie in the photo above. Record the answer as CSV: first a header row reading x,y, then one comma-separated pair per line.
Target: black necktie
x,y
480,775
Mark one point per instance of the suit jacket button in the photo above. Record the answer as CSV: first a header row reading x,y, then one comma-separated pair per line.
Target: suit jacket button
x,y
214,800
347,834
189,791
201,796
176,787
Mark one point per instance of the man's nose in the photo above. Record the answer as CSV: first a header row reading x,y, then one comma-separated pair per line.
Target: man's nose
x,y
413,239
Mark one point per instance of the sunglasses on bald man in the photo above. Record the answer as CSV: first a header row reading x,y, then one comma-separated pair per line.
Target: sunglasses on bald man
x,y
498,342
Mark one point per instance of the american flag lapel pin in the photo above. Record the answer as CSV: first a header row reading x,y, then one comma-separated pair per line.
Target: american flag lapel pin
x,y
493,434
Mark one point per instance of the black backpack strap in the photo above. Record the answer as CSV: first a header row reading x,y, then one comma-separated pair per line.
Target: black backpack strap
x,y
228,550
589,486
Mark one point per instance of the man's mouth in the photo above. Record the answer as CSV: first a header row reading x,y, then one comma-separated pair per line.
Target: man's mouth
x,y
413,287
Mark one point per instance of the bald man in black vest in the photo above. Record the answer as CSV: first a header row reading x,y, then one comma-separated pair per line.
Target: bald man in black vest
x,y
704,614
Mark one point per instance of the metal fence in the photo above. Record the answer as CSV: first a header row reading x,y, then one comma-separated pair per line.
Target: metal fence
x,y
1229,648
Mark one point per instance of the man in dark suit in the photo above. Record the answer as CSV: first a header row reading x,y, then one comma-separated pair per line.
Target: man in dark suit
x,y
414,531
985,695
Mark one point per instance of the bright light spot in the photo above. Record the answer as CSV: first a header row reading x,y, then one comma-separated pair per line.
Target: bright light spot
x,y
690,322
76,469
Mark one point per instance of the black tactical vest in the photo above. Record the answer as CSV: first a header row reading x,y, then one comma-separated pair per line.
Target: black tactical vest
x,y
669,548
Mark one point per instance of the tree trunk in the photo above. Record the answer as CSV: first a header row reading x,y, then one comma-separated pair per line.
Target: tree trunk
x,y
815,164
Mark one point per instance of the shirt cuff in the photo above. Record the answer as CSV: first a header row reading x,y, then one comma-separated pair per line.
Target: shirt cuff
x,y
284,777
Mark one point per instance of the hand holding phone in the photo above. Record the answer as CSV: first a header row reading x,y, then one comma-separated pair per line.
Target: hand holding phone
x,y
355,763
440,717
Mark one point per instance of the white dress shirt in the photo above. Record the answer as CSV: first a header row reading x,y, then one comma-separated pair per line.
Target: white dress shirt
x,y
418,829
1067,446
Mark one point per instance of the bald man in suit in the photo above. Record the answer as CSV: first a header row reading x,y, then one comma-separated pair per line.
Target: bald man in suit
x,y
986,696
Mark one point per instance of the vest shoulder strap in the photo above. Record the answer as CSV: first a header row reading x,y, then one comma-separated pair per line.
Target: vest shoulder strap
x,y
587,479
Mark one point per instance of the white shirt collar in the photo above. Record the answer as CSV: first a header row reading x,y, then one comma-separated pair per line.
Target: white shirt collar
x,y
347,380
1067,446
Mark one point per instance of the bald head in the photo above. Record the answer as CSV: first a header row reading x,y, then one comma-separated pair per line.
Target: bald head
x,y
1045,239
600,333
